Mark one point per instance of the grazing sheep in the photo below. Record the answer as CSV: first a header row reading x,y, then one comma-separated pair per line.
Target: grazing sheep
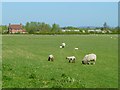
x,y
89,59
51,58
76,48
71,59
63,45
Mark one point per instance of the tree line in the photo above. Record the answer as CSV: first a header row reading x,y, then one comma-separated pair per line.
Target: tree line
x,y
43,28
35,27
38,27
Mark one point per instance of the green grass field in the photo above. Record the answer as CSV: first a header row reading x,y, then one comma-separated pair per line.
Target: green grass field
x,y
25,62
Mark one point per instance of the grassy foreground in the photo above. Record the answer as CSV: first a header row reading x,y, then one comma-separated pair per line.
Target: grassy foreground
x,y
25,62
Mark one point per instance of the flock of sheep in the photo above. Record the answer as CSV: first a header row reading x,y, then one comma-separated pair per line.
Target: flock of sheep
x,y
88,59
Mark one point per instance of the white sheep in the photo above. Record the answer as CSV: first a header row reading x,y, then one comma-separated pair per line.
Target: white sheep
x,y
90,58
76,48
63,45
71,59
50,57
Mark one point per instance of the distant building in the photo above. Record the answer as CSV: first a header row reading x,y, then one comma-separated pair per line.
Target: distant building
x,y
67,30
104,31
83,31
95,31
91,31
16,28
76,30
98,31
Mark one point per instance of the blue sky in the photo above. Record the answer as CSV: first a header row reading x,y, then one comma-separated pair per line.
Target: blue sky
x,y
60,0
0,13
62,13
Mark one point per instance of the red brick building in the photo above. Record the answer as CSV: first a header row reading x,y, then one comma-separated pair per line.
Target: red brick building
x,y
16,28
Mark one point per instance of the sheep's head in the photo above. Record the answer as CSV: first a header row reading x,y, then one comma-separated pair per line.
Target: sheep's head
x,y
60,46
83,62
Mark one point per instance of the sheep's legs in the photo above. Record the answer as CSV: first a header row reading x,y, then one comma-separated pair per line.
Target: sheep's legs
x,y
88,63
73,61
69,61
49,59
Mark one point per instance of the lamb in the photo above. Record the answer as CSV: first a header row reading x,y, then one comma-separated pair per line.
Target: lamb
x,y
76,48
62,45
51,57
71,59
89,59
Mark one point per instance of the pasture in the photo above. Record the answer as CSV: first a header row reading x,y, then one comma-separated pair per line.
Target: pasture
x,y
25,64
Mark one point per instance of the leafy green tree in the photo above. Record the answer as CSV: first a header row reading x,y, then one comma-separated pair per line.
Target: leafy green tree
x,y
55,28
105,26
37,27
27,26
0,29
4,29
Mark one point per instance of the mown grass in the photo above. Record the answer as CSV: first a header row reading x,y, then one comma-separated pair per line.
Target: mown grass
x,y
25,62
